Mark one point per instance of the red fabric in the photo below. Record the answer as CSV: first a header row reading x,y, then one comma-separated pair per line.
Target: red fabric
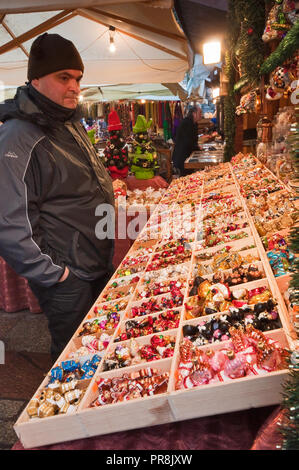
x,y
115,173
231,431
269,437
157,182
15,294
121,246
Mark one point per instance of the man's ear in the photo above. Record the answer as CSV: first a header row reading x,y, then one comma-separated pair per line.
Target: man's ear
x,y
35,83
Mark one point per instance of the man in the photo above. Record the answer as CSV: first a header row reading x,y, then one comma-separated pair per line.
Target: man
x,y
51,182
186,140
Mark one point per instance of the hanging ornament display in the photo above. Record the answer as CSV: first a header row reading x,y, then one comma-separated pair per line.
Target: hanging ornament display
x,y
271,94
247,103
280,20
290,10
143,157
281,80
116,153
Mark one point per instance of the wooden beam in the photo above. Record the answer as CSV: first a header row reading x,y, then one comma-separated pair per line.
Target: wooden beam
x,y
2,16
14,37
21,7
93,16
138,25
41,28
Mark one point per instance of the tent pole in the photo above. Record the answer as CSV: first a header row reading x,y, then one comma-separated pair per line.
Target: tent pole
x,y
43,27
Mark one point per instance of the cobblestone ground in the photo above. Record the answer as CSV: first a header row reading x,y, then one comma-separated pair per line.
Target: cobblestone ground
x,y
26,343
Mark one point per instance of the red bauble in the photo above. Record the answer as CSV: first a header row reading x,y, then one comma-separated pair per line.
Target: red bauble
x,y
249,31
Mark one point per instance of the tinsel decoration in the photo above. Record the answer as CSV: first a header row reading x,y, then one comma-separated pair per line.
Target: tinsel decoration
x,y
249,48
289,424
285,50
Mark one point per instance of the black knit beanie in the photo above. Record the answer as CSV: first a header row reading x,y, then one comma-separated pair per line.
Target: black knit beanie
x,y
50,53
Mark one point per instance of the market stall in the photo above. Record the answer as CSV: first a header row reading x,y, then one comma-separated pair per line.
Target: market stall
x,y
210,154
150,350
198,326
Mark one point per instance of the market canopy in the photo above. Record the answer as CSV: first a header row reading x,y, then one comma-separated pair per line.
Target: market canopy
x,y
150,45
146,91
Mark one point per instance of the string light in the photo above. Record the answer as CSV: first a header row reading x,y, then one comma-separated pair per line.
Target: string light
x,y
112,47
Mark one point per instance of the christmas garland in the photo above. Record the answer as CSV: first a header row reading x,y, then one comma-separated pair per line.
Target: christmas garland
x,y
289,424
247,22
249,48
230,99
286,48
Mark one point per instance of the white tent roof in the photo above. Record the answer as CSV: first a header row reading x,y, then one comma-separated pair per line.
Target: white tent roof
x,y
146,91
150,46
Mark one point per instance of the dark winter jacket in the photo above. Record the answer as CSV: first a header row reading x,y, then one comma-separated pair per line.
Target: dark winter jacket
x,y
186,142
51,182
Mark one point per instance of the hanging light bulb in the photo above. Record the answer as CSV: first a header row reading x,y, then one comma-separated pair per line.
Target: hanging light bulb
x,y
112,47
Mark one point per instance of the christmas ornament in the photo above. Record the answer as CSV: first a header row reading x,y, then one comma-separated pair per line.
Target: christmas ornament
x,y
278,21
116,153
143,156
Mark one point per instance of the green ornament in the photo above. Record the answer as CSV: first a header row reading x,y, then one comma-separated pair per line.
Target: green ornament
x,y
142,125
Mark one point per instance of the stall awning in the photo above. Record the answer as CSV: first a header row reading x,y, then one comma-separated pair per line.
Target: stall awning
x,y
146,91
150,45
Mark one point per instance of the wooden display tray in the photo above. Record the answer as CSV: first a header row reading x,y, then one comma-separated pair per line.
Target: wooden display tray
x,y
173,405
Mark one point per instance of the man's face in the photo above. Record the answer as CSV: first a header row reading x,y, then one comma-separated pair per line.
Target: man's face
x,y
62,87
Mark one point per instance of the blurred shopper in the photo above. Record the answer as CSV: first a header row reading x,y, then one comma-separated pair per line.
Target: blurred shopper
x,y
186,138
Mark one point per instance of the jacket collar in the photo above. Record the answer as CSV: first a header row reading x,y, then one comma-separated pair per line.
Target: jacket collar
x,y
30,105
